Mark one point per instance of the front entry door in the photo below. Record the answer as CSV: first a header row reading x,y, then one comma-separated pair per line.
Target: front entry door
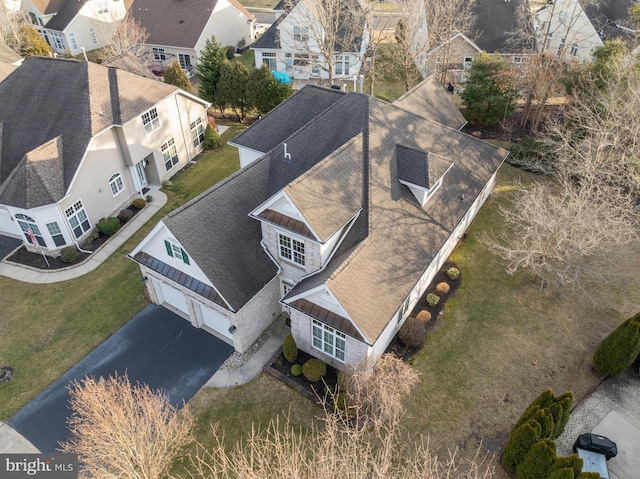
x,y
142,178
285,287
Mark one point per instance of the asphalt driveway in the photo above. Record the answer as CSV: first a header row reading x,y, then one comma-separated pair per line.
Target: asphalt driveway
x,y
156,347
7,245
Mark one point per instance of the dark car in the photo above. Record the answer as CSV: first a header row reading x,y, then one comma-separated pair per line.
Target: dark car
x,y
596,443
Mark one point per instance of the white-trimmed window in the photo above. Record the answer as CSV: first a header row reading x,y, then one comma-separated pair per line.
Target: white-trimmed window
x,y
433,189
27,223
72,40
288,62
342,65
315,65
92,33
197,132
301,34
115,184
78,219
56,234
150,121
58,42
269,59
403,309
574,50
159,54
328,340
169,154
175,251
185,61
291,249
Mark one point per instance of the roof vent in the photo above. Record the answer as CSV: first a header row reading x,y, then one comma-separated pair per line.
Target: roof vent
x,y
287,156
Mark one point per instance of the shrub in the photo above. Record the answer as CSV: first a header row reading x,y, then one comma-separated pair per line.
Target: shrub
x,y
108,226
69,254
424,316
520,441
538,461
296,370
314,370
618,351
90,238
211,138
125,215
443,288
432,299
230,51
413,332
565,400
543,400
572,462
139,203
453,273
545,419
290,349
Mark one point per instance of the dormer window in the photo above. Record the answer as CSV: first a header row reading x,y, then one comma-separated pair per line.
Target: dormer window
x,y
421,171
291,249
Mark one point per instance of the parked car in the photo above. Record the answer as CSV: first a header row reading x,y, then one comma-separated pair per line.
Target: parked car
x,y
596,443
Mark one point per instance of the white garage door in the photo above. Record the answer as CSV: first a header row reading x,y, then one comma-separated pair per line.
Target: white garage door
x,y
171,296
213,319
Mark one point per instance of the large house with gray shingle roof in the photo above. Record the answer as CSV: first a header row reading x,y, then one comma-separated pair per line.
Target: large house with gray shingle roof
x,y
349,209
179,30
79,141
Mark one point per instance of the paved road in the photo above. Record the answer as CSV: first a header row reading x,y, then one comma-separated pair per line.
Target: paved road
x,y
156,347
7,245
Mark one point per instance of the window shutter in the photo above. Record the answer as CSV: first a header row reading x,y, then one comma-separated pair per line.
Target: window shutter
x,y
185,257
168,246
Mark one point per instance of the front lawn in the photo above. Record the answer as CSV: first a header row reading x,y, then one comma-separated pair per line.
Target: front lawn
x,y
47,329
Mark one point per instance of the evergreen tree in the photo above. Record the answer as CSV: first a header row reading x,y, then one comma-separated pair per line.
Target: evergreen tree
x,y
265,91
545,419
33,44
543,400
208,69
233,88
520,442
490,90
617,351
572,462
566,401
565,473
211,138
175,75
538,462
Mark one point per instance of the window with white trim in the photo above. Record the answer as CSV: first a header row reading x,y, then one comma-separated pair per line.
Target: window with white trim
x,y
315,65
197,132
301,34
169,154
72,40
150,121
92,33
56,234
175,251
115,184
269,59
159,54
58,42
328,340
291,249
342,65
27,223
78,219
288,62
403,309
574,50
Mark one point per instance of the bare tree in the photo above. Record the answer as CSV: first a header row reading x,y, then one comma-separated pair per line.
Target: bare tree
x,y
323,31
341,445
119,430
122,35
11,24
541,78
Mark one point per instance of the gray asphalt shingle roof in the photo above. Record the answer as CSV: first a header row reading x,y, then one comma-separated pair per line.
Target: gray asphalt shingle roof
x,y
72,101
350,145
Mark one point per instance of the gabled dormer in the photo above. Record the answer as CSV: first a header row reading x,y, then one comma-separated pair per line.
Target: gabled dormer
x,y
421,171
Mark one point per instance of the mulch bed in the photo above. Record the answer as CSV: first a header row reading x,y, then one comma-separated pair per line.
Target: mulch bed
x,y
36,260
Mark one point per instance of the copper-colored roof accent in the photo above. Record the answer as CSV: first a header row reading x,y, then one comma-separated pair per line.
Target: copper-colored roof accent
x,y
332,319
287,222
181,278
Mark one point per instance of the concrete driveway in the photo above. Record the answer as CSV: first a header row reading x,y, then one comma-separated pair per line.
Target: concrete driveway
x,y
156,347
7,245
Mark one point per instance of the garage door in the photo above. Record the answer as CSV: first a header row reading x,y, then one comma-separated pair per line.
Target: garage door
x,y
213,319
171,296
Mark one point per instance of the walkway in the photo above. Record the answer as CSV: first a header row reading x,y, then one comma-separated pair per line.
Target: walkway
x,y
33,275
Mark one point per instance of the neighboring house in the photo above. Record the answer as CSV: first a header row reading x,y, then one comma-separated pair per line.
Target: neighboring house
x,y
610,18
341,224
70,25
79,141
179,30
128,62
290,46
563,28
9,61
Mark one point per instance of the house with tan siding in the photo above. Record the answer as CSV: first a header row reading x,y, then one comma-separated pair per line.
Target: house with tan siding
x,y
79,141
342,214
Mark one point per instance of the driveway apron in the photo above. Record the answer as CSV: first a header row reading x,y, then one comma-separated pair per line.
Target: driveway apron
x,y
156,347
7,245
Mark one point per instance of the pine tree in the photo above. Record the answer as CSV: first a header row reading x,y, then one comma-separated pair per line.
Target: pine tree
x,y
232,89
572,462
618,351
265,91
211,138
538,462
33,44
520,442
175,75
208,69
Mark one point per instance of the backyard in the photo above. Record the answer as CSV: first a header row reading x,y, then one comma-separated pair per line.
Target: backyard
x,y
500,343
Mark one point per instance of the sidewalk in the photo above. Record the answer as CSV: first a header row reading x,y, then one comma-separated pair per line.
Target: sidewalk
x,y
12,442
32,275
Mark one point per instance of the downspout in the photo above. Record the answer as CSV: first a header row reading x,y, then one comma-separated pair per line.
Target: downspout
x,y
72,238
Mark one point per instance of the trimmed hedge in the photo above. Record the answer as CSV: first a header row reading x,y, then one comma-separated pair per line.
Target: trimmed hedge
x,y
443,288
619,350
125,215
453,273
69,254
432,299
520,442
314,370
424,316
413,333
139,203
538,461
290,349
296,370
108,226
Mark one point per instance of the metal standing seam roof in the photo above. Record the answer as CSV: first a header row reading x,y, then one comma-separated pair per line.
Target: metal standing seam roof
x,y
73,101
393,239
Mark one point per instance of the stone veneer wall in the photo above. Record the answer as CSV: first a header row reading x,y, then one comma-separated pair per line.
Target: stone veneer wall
x,y
290,270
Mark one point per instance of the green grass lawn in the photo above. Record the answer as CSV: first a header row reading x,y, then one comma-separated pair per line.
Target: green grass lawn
x,y
47,329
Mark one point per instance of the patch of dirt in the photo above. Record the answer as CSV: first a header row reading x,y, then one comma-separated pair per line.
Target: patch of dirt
x,y
37,260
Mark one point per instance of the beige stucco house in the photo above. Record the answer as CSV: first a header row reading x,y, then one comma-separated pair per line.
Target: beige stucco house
x,y
343,212
79,141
